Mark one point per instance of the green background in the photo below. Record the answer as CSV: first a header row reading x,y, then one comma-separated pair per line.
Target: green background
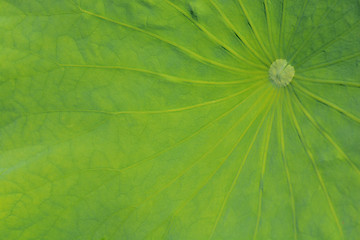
x,y
155,119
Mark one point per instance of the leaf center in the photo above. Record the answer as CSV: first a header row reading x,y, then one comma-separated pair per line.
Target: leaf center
x,y
281,73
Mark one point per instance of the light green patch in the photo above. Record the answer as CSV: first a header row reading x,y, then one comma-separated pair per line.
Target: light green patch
x,y
281,73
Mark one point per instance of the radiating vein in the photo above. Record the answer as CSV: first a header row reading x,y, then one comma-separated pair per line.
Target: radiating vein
x,y
270,31
190,53
213,38
186,138
298,21
330,63
317,171
206,154
231,26
2,170
239,170
178,210
168,77
176,144
182,141
327,103
328,81
282,26
165,111
308,38
261,183
182,173
254,30
324,133
287,172
328,44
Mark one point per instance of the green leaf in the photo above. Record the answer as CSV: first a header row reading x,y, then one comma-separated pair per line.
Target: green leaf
x,y
157,119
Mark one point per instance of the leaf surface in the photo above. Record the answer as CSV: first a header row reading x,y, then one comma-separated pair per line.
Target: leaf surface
x,y
151,119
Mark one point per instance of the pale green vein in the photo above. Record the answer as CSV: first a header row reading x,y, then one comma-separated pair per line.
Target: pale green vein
x,y
327,103
43,15
308,38
254,30
298,21
178,143
224,159
282,26
184,139
325,134
239,170
269,26
2,171
203,156
326,81
264,158
330,63
158,37
182,173
231,26
172,146
328,44
317,171
168,77
287,172
214,38
178,210
165,111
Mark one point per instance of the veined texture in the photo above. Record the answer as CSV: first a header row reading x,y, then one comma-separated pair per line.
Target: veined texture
x,y
163,119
